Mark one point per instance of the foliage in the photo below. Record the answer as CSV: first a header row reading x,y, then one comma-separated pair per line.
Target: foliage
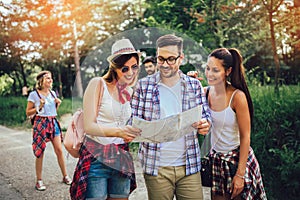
x,y
38,35
240,24
275,139
13,111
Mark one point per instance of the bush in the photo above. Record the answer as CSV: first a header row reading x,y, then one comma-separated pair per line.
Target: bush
x,y
13,111
275,139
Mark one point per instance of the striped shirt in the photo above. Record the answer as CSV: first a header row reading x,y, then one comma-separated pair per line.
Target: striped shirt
x,y
146,105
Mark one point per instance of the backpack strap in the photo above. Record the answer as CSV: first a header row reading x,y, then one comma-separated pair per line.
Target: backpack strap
x,y
207,91
52,94
101,83
38,94
206,146
33,117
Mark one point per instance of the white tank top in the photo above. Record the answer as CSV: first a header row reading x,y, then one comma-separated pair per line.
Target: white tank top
x,y
225,132
112,114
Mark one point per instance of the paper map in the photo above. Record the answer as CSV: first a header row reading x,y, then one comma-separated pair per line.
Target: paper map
x,y
168,129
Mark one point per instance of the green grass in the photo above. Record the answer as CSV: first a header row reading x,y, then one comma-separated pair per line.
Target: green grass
x,y
13,111
275,139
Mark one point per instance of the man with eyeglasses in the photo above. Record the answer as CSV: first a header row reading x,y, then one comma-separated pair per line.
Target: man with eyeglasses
x,y
171,168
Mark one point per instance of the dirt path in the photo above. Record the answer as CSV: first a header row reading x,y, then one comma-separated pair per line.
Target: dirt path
x,y
17,170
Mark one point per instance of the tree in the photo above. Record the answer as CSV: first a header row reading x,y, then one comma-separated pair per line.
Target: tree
x,y
213,24
12,50
47,30
241,24
272,7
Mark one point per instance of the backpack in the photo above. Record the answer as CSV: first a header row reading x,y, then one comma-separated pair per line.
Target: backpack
x,y
75,132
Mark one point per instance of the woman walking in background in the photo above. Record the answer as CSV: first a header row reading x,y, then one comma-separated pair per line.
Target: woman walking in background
x,y
43,103
236,173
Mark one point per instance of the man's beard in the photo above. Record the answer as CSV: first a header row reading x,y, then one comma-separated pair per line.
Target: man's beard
x,y
150,72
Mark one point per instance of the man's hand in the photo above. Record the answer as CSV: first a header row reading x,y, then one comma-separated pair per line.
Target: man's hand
x,y
193,74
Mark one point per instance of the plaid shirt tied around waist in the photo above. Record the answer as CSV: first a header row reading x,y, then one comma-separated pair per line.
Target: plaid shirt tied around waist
x,y
43,132
108,154
224,167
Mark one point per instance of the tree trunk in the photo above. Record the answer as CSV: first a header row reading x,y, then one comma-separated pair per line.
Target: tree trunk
x,y
59,83
23,76
78,81
275,55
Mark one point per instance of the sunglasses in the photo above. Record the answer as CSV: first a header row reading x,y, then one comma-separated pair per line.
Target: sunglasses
x,y
125,69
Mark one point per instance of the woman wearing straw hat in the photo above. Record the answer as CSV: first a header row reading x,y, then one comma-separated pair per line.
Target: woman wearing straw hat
x,y
105,168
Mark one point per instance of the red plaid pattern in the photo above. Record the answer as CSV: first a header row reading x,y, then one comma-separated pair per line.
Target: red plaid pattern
x,y
223,166
91,150
43,132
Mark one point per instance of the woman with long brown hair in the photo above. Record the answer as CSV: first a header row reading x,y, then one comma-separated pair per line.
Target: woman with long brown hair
x,y
235,169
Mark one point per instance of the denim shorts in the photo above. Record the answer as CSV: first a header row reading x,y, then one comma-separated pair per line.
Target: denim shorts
x,y
104,182
56,129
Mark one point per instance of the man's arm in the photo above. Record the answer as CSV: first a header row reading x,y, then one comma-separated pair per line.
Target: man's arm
x,y
204,124
136,108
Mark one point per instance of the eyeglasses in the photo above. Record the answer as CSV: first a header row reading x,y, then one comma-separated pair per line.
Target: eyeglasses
x,y
125,69
170,60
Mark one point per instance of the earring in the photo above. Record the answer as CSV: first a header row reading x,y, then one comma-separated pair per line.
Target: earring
x,y
228,78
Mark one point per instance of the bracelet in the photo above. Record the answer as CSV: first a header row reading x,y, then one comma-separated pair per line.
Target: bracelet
x,y
242,177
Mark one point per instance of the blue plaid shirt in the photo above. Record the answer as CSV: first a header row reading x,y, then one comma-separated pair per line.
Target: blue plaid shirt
x,y
146,105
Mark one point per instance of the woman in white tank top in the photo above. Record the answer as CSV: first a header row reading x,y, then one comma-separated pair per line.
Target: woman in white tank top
x,y
105,167
236,173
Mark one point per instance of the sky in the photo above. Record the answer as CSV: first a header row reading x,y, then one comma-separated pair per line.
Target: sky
x,y
6,1
2,10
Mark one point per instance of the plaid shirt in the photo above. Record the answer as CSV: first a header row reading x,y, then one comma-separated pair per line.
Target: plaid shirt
x,y
146,105
224,167
43,132
92,150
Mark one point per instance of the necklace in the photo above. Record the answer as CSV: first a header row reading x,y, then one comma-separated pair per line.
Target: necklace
x,y
120,112
119,115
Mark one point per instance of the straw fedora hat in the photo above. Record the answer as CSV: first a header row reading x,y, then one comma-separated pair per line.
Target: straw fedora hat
x,y
121,47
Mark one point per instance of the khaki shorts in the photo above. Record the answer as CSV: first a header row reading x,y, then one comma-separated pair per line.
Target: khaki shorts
x,y
173,181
